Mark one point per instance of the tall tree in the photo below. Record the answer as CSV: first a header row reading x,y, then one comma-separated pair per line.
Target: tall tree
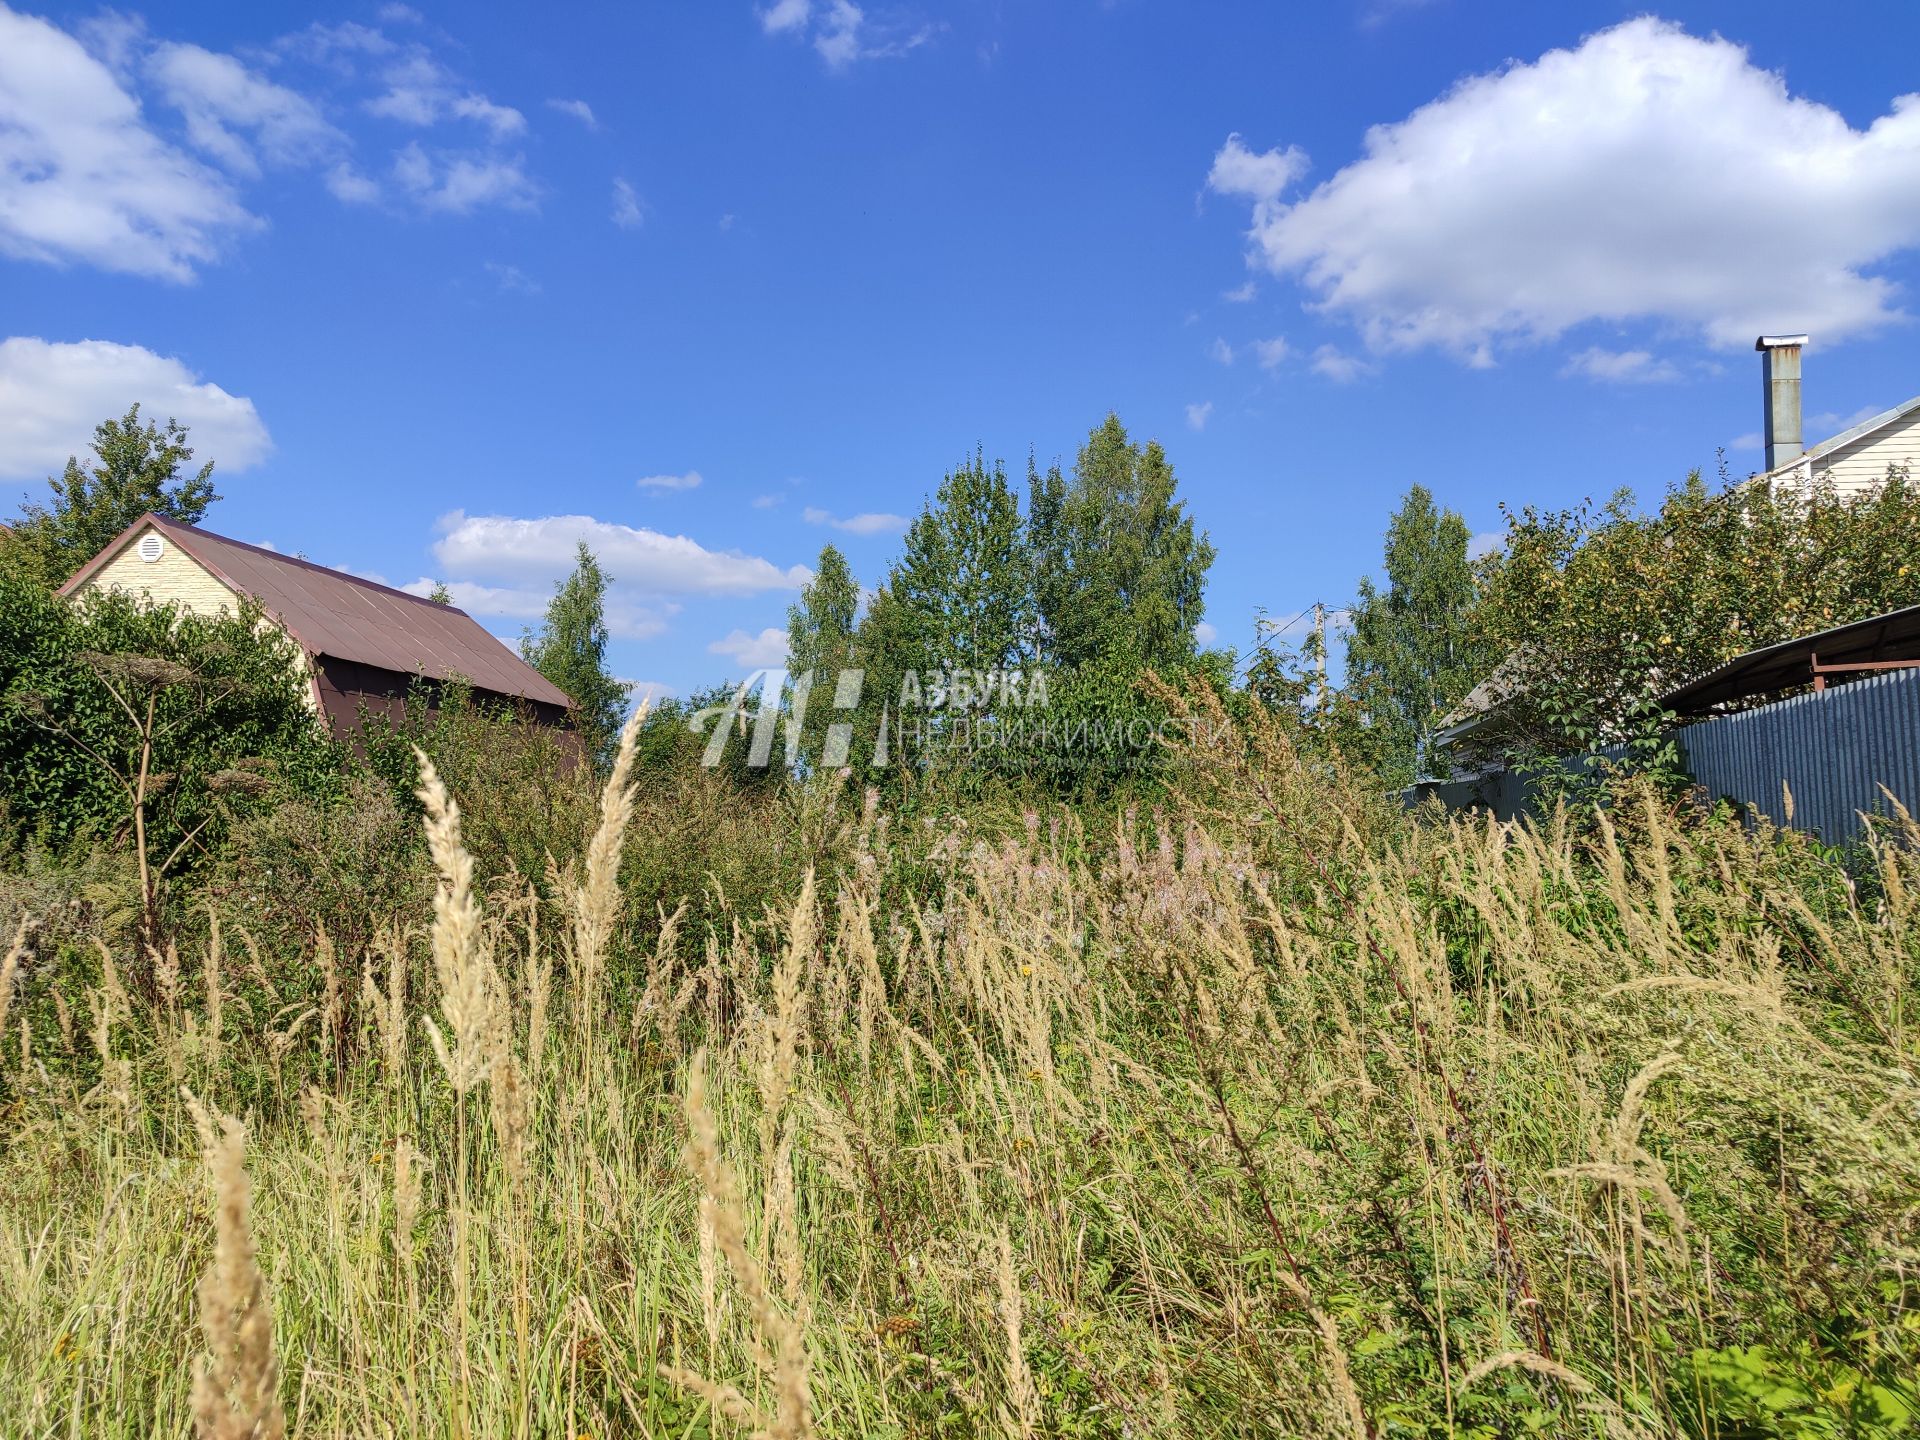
x,y
136,469
1411,654
571,651
965,575
820,631
1120,573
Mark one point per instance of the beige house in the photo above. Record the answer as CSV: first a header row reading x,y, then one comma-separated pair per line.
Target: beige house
x,y
367,646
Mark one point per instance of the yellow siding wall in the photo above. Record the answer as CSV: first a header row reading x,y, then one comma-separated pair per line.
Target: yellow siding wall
x,y
1863,464
176,578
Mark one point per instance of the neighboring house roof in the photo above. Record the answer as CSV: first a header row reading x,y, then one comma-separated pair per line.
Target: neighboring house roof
x,y
1893,636
342,616
1482,703
1848,437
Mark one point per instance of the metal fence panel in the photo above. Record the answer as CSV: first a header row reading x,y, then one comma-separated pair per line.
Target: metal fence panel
x,y
1832,750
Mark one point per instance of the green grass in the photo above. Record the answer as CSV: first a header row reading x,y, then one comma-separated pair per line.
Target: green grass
x,y
1294,1117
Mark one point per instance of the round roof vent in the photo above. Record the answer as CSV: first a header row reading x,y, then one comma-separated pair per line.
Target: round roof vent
x,y
151,547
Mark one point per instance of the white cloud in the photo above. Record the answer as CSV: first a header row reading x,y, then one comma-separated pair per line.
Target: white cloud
x,y
766,502
507,548
1752,440
1204,634
1622,367
578,109
52,394
1485,543
625,619
842,33
784,15
398,14
421,91
628,212
1199,414
1220,351
81,176
1644,175
459,184
1271,352
1261,178
1241,294
872,523
223,102
350,187
1338,366
661,484
765,651
503,120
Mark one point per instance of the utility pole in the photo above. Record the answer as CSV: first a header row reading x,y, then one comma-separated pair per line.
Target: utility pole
x,y
1320,649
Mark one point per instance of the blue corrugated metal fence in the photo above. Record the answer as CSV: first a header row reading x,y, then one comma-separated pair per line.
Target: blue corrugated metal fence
x,y
1832,750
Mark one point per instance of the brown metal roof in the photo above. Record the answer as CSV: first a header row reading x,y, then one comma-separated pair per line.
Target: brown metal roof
x,y
1893,636
342,616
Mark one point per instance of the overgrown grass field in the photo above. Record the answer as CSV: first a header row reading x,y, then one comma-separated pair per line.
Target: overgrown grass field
x,y
1262,1111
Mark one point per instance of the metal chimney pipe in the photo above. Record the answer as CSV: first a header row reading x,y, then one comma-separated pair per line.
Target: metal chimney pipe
x,y
1780,374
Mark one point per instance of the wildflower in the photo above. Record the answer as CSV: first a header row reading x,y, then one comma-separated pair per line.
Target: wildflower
x,y
1026,969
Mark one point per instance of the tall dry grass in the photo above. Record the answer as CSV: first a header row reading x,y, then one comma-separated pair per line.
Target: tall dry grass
x,y
1263,1115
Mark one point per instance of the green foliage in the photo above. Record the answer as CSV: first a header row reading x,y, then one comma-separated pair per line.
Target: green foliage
x,y
963,585
224,700
1411,652
523,786
571,651
820,629
1598,612
1119,569
136,470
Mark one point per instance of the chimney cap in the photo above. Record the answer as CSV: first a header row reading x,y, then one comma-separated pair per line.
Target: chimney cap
x,y
1778,342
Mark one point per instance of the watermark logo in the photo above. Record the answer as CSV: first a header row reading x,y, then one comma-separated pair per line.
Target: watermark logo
x,y
953,710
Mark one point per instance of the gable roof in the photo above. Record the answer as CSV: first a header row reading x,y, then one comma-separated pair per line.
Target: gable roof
x,y
1847,437
346,618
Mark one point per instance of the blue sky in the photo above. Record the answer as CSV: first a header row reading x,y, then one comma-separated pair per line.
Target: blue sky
x,y
443,289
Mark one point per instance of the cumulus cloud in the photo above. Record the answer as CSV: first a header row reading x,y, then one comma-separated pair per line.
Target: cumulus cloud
x,y
52,394
1199,414
1204,634
785,15
1241,294
765,651
662,484
1260,177
626,620
1644,175
504,548
83,178
871,523
1622,367
1220,351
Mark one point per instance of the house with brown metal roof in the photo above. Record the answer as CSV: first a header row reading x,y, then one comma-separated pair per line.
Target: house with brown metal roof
x,y
367,646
